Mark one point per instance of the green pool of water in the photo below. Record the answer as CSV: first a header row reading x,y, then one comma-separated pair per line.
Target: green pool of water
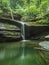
x,y
20,54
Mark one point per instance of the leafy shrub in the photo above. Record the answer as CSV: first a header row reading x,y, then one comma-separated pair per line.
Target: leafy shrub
x,y
43,21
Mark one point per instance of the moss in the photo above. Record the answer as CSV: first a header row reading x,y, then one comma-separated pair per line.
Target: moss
x,y
36,24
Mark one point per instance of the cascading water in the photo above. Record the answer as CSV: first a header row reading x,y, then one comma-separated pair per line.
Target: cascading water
x,y
23,31
23,37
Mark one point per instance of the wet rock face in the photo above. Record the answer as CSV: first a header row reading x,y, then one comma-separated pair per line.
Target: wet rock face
x,y
2,35
45,44
16,16
37,30
4,38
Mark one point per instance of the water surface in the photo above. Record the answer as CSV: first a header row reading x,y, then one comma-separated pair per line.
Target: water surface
x,y
21,53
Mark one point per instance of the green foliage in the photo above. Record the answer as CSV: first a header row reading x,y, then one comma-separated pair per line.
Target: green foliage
x,y
30,9
1,11
43,21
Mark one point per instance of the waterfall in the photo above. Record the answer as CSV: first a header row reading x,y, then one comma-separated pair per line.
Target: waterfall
x,y
23,43
23,31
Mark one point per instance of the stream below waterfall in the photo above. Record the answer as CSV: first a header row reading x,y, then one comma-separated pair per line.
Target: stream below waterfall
x,y
21,53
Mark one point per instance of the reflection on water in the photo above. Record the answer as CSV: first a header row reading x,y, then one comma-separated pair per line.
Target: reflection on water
x,y
14,54
2,54
22,57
